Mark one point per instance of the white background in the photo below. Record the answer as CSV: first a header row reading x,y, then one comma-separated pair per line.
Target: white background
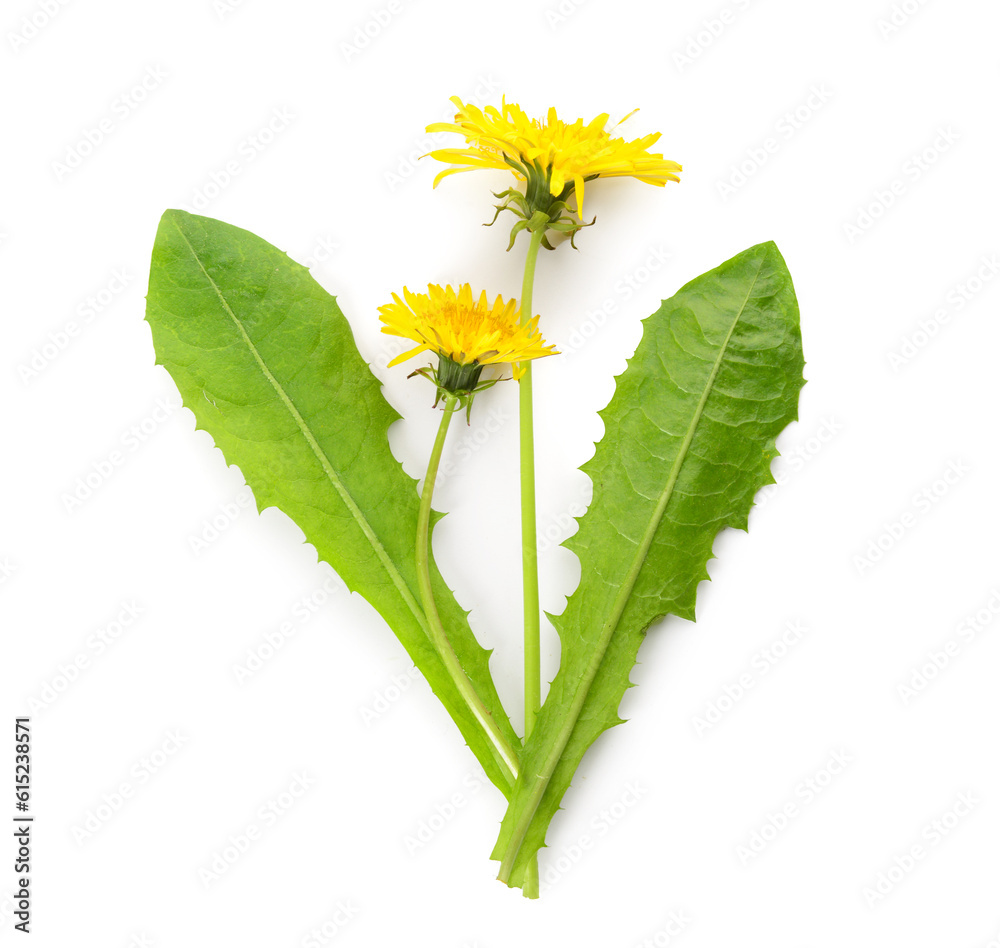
x,y
879,187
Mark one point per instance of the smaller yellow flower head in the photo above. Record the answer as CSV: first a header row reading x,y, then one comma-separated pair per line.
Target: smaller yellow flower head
x,y
566,153
466,331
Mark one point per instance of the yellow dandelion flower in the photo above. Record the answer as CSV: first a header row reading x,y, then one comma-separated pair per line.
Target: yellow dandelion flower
x,y
467,334
559,155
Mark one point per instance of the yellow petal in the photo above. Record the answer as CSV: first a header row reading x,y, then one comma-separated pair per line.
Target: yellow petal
x,y
409,354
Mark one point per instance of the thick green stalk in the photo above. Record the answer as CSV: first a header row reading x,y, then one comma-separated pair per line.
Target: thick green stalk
x,y
505,755
529,535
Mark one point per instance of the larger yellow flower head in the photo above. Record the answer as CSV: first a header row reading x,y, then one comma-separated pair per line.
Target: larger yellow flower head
x,y
562,155
466,333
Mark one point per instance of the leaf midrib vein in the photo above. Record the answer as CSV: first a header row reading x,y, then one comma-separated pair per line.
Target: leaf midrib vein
x,y
544,774
320,454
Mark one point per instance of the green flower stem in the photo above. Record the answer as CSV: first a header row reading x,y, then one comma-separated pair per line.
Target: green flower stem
x,y
529,540
505,755
529,535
